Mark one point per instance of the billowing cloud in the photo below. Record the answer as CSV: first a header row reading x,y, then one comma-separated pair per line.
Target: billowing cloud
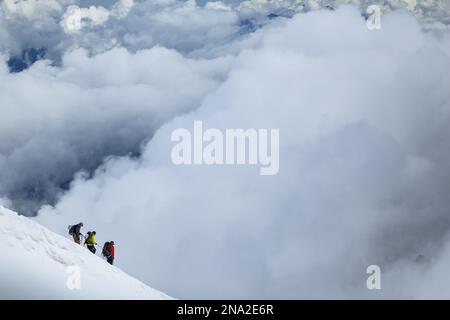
x,y
99,25
58,121
91,91
104,84
363,118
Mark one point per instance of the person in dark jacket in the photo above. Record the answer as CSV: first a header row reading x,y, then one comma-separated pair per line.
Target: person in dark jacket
x,y
108,251
75,232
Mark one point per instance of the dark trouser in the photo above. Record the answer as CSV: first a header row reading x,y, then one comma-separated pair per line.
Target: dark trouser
x,y
91,248
110,259
76,238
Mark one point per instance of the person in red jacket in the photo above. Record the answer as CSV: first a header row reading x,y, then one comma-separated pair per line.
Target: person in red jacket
x,y
108,251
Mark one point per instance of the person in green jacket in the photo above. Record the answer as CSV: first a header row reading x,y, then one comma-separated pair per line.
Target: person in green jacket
x,y
90,241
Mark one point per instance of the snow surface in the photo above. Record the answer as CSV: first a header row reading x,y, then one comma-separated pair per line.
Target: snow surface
x,y
37,263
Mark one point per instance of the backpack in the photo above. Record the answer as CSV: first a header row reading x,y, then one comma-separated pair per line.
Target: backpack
x,y
88,235
105,250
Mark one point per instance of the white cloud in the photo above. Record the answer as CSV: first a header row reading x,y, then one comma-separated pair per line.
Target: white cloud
x,y
76,18
92,107
363,117
31,9
363,172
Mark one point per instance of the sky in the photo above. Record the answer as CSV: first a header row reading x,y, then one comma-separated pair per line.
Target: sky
x,y
363,118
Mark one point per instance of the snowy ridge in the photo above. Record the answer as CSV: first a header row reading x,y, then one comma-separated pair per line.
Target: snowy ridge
x,y
36,265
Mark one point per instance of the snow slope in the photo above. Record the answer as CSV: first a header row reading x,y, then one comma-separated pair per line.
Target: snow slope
x,y
36,263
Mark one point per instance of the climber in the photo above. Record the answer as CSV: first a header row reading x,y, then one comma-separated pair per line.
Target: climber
x,y
75,232
90,242
108,251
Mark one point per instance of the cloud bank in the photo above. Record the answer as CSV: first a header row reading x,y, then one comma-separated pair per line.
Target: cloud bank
x,y
363,177
58,121
108,75
363,118
54,130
